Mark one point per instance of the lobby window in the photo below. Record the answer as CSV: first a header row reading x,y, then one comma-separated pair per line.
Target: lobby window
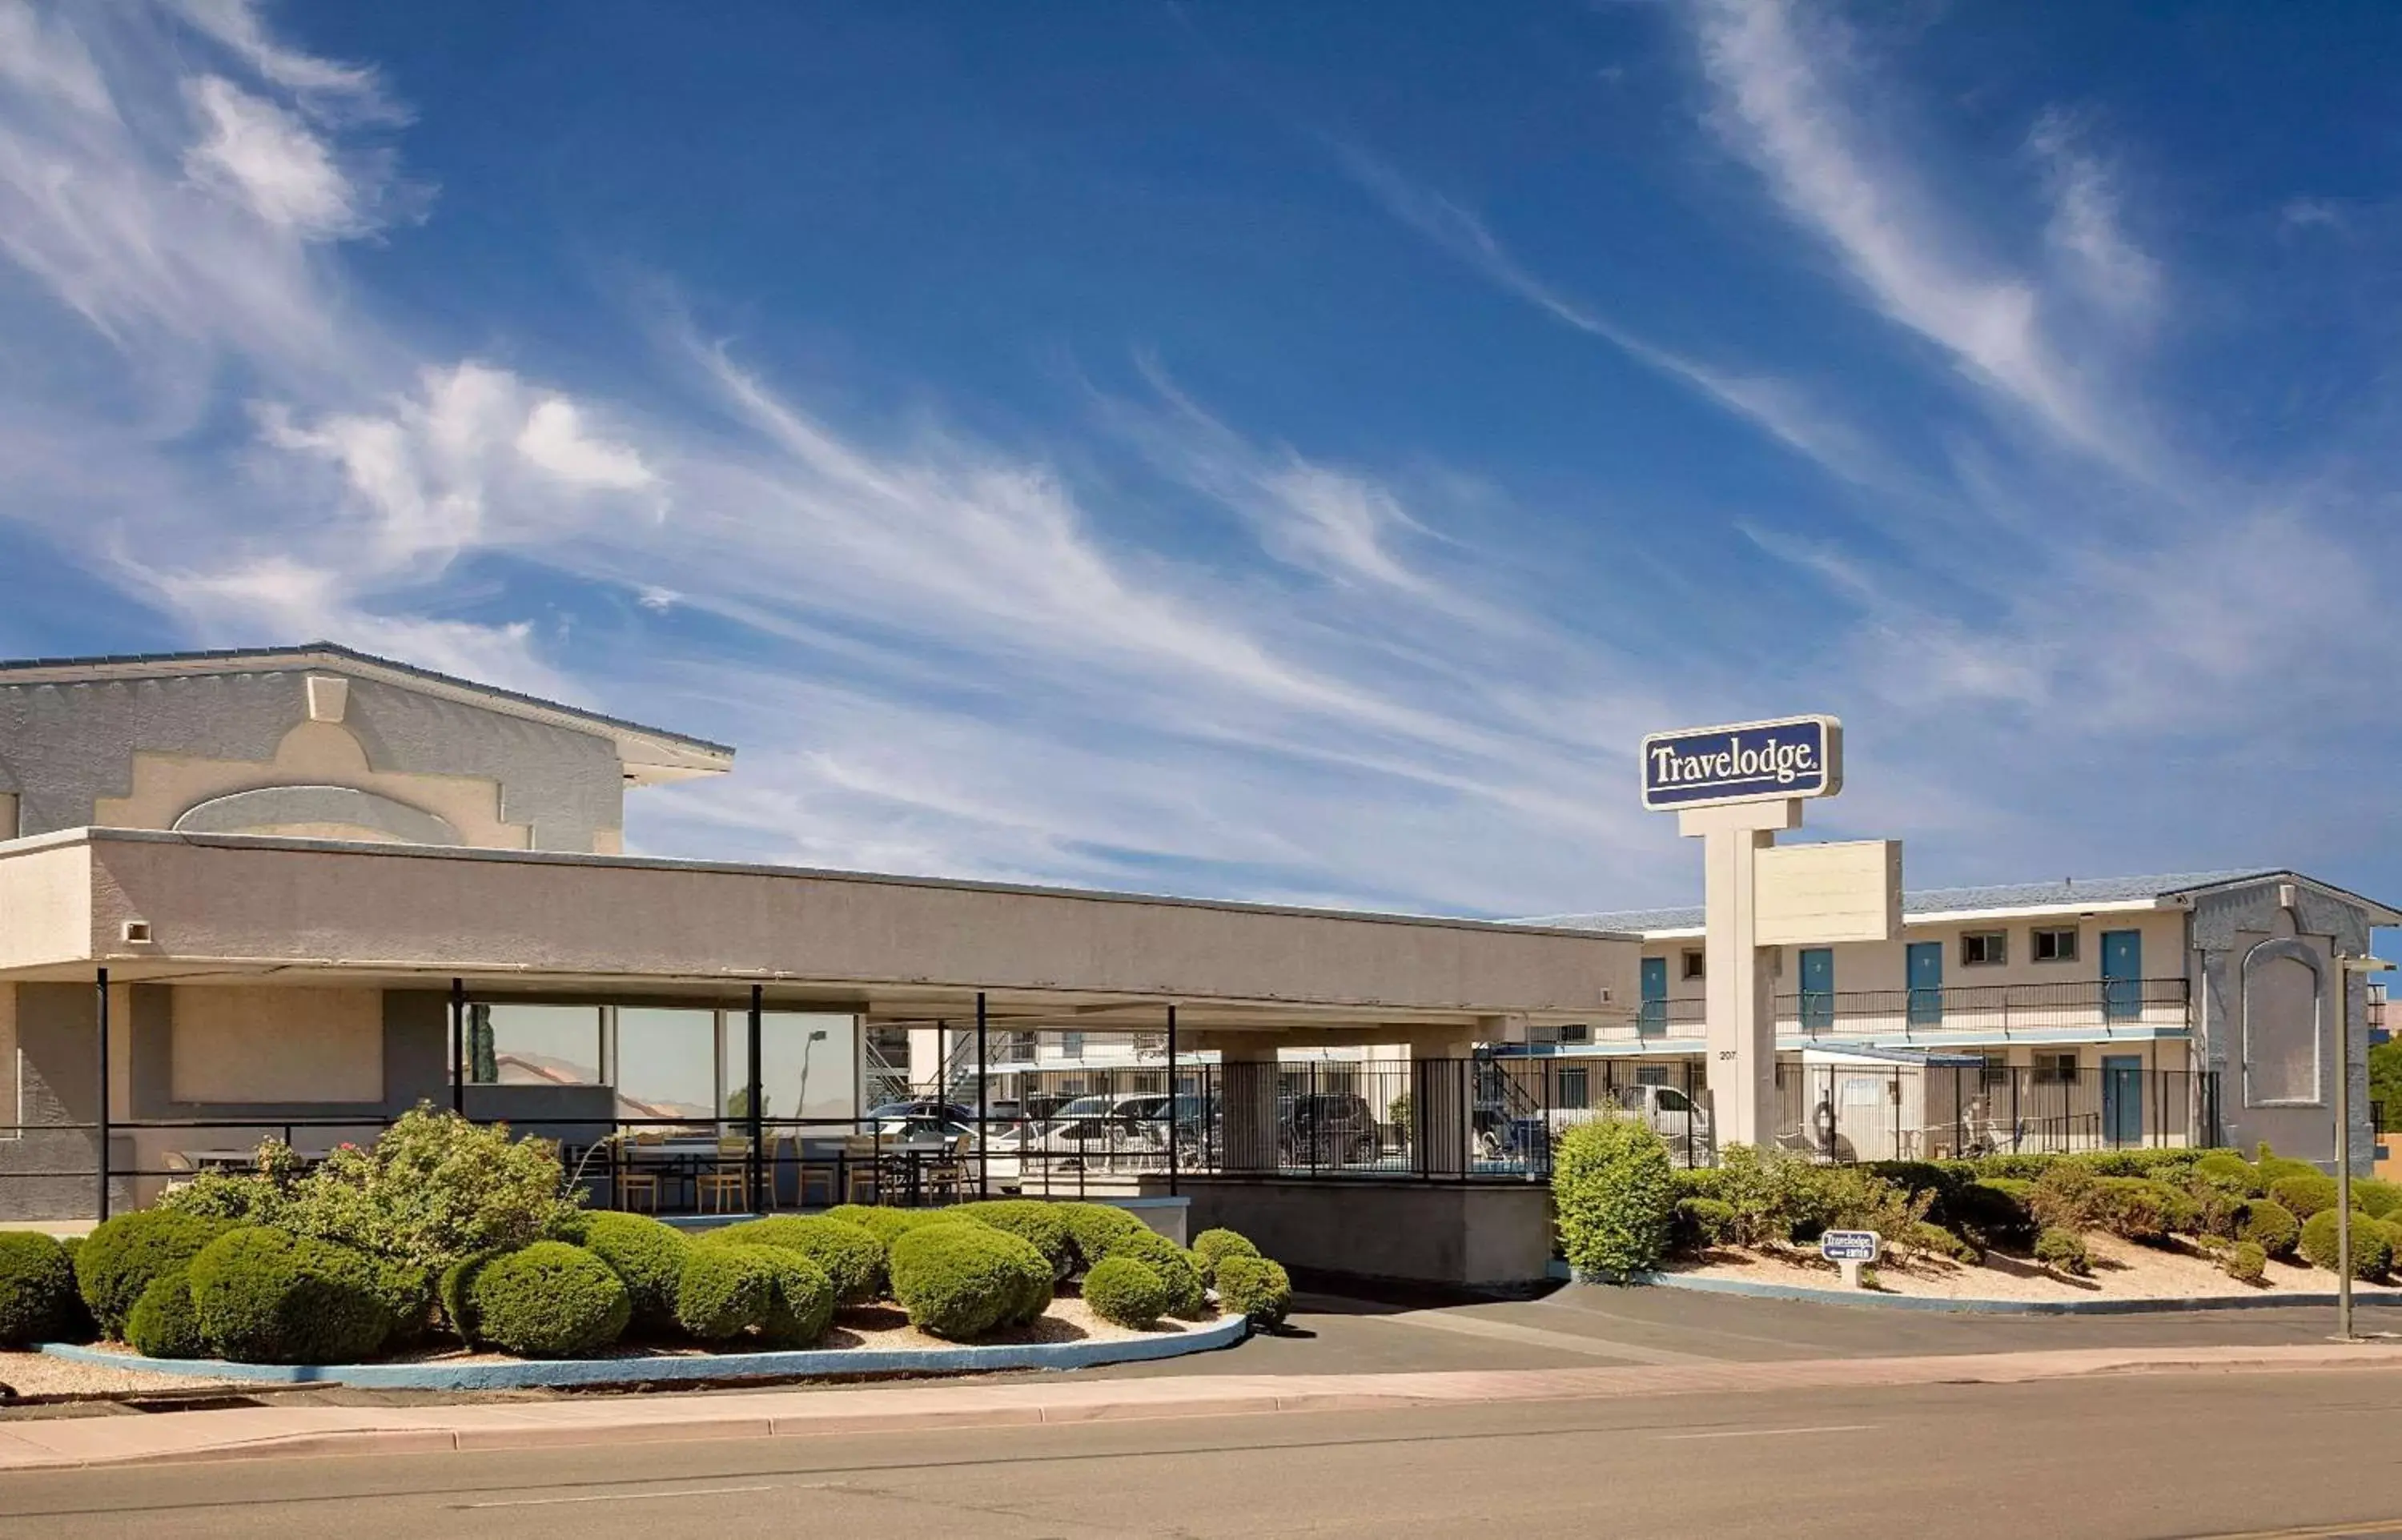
x,y
1695,962
2053,943
533,1044
1984,948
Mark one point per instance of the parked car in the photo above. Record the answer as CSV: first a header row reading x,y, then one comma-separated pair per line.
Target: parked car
x,y
1326,1128
1667,1111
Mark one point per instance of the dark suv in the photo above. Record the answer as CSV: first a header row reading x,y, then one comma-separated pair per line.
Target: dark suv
x,y
1331,1128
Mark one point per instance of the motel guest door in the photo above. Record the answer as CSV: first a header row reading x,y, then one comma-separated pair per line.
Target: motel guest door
x,y
2122,1098
1817,988
2122,975
1654,1014
1927,984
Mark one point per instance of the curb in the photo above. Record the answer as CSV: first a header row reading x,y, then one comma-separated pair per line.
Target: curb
x,y
803,1363
1863,1300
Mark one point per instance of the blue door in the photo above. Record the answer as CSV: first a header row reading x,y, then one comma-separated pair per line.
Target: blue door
x,y
1654,1014
1927,984
1817,988
2122,1098
2122,975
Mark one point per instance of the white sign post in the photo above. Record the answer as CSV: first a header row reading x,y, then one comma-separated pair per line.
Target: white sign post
x,y
1735,789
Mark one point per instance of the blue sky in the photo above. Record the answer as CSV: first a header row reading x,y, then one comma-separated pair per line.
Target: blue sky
x,y
1286,452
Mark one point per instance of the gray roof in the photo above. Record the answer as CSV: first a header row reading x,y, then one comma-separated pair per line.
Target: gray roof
x,y
2067,893
274,656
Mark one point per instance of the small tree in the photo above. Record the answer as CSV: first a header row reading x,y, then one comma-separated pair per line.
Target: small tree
x,y
1615,1187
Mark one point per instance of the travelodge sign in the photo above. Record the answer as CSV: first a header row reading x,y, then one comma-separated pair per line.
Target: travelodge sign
x,y
1744,762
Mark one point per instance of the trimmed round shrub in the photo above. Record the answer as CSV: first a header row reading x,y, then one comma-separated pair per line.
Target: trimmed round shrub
x,y
2246,1263
163,1324
407,1297
1994,1211
550,1301
2304,1196
2379,1198
1615,1189
889,1225
457,1294
120,1258
963,1281
2372,1252
262,1297
2142,1208
1093,1225
37,1289
1126,1293
851,1257
2274,1168
1187,1295
2270,1225
800,1300
1256,1287
725,1290
2064,1251
1928,1236
1038,1223
1211,1245
2231,1172
647,1257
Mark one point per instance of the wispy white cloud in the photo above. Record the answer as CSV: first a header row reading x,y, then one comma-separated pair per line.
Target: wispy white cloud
x,y
259,154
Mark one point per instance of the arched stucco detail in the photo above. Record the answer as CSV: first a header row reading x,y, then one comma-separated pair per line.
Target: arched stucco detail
x,y
271,809
2258,960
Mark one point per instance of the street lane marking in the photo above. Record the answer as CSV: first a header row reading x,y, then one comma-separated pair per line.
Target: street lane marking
x,y
1767,1433
613,1497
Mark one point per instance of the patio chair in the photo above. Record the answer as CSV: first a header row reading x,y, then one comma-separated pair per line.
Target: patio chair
x,y
725,1190
638,1187
862,1183
947,1172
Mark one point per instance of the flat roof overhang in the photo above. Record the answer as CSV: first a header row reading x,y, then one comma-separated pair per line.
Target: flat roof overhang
x,y
239,908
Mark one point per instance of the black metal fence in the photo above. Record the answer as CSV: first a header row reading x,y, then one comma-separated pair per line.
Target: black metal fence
x,y
1883,1112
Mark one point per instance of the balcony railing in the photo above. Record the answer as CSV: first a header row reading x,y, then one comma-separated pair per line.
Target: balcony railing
x,y
2002,1008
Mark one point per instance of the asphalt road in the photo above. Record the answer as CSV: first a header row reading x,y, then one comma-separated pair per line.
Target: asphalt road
x,y
2166,1455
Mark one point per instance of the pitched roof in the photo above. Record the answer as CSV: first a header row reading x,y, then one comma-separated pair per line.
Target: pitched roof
x,y
650,753
2067,893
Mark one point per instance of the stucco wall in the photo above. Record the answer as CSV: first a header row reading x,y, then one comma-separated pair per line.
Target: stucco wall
x,y
2226,926
253,1043
405,906
69,751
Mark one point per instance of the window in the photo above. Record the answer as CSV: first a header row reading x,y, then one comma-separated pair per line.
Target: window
x,y
1984,948
1575,1089
2053,943
1996,1069
2055,1069
534,1044
1071,1045
1650,1073
1694,962
1579,1033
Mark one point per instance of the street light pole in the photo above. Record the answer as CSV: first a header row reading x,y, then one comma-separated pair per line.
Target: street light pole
x,y
2350,966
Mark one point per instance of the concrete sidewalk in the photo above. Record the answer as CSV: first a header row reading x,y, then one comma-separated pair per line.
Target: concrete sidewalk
x,y
271,1432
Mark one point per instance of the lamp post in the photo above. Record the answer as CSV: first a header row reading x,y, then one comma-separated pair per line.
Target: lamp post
x,y
2343,1137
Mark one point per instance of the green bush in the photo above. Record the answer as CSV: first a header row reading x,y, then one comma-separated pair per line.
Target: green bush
x,y
1614,1185
1211,1246
800,1300
37,1289
2274,1168
456,1290
1705,1222
1093,1225
549,1300
240,1196
2231,1172
2270,1225
2246,1263
849,1256
647,1257
260,1295
120,1258
1039,1224
1992,1212
963,1281
1187,1295
2144,1209
2372,1253
408,1296
433,1189
1933,1237
889,1225
1256,1287
1124,1292
2068,1195
2304,1196
725,1290
2062,1251
163,1324
2379,1198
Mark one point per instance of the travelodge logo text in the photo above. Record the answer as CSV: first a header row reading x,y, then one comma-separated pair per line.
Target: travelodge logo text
x,y
1745,762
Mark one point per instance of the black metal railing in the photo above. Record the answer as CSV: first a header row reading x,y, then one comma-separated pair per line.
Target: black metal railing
x,y
1996,1008
1883,1112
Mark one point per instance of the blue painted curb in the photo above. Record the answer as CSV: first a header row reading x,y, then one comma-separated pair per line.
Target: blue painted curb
x,y
802,1362
1992,1307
